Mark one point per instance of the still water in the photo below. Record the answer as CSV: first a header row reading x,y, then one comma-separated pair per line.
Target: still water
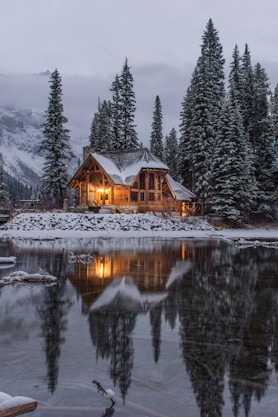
x,y
174,327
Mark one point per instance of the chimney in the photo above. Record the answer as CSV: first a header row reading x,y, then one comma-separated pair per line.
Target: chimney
x,y
86,152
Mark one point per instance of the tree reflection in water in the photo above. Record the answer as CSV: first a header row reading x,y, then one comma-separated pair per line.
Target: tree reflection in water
x,y
111,333
222,299
53,313
227,318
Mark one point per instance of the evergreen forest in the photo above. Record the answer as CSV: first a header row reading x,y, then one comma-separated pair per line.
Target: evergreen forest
x,y
224,150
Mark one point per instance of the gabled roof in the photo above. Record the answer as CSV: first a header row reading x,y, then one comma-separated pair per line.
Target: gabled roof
x,y
180,192
123,294
124,166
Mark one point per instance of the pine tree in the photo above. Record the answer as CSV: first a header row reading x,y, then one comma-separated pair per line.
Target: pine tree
x,y
249,87
212,55
199,123
156,142
247,99
235,79
55,145
171,153
106,124
124,135
262,140
127,108
201,135
95,133
232,196
116,114
247,192
185,167
100,134
274,114
260,103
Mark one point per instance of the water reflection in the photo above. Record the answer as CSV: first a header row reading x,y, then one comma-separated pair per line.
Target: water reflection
x,y
226,324
220,298
52,313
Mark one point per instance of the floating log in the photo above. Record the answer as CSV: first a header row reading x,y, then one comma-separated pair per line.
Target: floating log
x,y
12,406
19,409
7,259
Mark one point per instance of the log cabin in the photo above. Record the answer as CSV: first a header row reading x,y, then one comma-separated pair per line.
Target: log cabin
x,y
130,181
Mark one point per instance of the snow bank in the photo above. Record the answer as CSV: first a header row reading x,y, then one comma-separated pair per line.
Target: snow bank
x,y
103,222
45,226
21,276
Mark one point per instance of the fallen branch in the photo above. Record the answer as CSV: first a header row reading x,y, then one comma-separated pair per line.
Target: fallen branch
x,y
20,409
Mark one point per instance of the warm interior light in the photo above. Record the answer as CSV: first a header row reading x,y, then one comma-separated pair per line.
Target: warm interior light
x,y
102,267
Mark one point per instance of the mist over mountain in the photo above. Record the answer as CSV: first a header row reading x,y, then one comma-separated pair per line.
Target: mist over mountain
x,y
20,133
24,100
20,136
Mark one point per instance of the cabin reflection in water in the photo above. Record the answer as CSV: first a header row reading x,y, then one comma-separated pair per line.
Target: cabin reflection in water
x,y
150,270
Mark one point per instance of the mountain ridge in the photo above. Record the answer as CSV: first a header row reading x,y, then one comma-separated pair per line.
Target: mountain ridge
x,y
20,136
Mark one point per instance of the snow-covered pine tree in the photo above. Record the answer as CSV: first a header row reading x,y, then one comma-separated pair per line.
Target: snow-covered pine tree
x,y
247,99
156,142
226,167
206,97
274,125
127,109
55,146
261,99
116,114
274,114
247,194
212,55
106,124
171,153
231,196
100,132
95,130
235,79
266,168
201,135
185,168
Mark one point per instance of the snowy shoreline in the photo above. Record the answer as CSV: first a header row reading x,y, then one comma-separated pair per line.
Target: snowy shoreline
x,y
43,226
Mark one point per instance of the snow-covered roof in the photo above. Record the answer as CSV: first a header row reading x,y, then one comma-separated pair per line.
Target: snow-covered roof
x,y
124,294
124,166
180,192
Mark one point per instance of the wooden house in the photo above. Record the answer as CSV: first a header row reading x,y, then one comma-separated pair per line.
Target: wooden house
x,y
129,181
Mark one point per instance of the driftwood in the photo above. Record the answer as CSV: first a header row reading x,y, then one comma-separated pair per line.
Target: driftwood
x,y
20,409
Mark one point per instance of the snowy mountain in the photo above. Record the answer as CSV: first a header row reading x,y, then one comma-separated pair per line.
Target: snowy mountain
x,y
20,133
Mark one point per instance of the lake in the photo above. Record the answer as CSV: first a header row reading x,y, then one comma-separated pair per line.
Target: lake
x,y
174,327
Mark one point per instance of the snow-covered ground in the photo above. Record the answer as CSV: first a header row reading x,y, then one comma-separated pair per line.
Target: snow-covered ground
x,y
72,225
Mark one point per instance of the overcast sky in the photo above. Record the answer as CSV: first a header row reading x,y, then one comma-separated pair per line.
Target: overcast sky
x,y
88,41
